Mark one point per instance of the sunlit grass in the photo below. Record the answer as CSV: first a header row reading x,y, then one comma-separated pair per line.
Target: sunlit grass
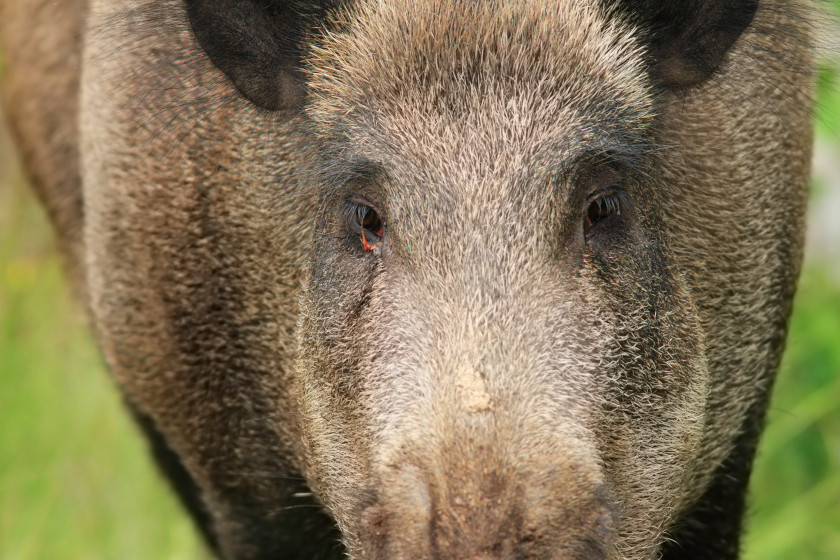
x,y
796,483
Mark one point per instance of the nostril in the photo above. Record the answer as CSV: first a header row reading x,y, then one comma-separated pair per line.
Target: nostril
x,y
481,515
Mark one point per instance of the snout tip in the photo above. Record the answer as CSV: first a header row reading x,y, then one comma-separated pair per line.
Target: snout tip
x,y
414,520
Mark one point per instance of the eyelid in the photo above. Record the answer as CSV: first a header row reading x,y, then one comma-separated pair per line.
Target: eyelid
x,y
607,192
358,200
351,206
591,176
362,182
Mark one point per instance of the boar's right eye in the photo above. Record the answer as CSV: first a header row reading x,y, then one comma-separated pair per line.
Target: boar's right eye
x,y
601,210
364,220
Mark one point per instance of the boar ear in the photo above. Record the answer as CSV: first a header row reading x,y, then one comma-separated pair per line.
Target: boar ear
x,y
689,38
258,44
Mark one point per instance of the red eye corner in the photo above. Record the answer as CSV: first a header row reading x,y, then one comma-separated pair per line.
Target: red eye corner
x,y
375,246
367,223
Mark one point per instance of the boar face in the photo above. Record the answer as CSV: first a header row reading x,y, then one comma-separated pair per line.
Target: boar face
x,y
473,274
506,361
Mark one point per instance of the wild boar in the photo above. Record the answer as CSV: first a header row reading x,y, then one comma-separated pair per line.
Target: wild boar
x,y
432,279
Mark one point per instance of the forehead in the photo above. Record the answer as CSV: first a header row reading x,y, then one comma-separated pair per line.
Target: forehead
x,y
479,87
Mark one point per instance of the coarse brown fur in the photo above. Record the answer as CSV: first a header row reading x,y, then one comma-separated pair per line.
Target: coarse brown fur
x,y
493,380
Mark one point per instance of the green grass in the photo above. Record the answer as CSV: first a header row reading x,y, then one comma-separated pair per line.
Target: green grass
x,y
796,482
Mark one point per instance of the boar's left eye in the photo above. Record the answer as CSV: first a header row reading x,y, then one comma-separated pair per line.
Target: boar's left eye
x,y
364,220
601,210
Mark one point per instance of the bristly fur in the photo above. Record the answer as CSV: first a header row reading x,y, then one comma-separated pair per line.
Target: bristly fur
x,y
497,380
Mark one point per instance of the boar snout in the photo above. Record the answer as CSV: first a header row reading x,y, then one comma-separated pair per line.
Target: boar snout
x,y
477,508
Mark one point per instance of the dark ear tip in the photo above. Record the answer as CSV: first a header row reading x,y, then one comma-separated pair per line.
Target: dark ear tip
x,y
689,39
679,73
257,44
278,92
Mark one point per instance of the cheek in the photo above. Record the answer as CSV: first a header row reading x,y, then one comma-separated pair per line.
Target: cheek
x,y
656,336
343,328
657,397
331,365
340,285
654,375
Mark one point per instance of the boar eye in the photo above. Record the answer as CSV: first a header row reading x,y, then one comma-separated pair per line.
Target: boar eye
x,y
367,224
601,210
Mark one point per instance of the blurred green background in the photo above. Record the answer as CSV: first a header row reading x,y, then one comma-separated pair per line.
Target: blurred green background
x,y
76,482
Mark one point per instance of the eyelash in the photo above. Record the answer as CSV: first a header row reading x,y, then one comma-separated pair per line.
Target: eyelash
x,y
601,209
